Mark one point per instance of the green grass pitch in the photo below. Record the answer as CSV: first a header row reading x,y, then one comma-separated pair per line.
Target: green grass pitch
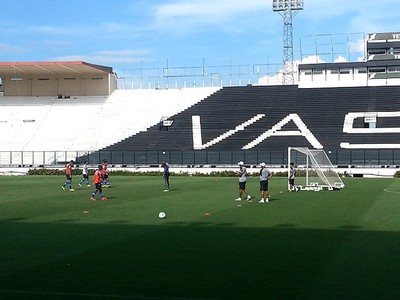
x,y
306,245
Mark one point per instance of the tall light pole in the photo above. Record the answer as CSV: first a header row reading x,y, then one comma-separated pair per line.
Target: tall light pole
x,y
287,9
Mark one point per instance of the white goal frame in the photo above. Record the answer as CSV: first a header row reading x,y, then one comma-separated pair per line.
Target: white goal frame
x,y
314,170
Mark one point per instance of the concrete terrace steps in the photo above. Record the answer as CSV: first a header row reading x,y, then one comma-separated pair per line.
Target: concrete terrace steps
x,y
87,122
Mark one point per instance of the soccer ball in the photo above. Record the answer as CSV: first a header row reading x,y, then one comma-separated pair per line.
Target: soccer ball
x,y
162,215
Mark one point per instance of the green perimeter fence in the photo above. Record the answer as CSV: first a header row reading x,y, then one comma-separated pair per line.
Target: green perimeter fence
x,y
341,158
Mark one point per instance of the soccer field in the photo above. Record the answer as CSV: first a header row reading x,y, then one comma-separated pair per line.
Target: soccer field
x,y
305,245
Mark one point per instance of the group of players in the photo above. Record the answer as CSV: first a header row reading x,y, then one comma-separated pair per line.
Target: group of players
x,y
100,178
265,175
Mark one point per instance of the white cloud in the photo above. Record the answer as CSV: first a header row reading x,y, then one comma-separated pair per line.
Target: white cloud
x,y
186,15
207,8
276,79
53,30
357,46
357,15
332,8
56,44
109,30
109,57
340,59
4,48
271,79
312,59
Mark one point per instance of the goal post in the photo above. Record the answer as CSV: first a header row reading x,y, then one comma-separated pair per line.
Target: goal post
x,y
314,169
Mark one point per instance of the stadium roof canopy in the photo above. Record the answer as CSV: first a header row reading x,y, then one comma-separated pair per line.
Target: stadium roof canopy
x,y
9,69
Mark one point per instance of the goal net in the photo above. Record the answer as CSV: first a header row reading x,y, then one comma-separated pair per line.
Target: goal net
x,y
314,170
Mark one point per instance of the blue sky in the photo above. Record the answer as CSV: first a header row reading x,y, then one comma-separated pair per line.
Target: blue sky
x,y
125,34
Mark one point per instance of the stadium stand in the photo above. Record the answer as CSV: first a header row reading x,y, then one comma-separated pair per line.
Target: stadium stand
x,y
20,119
322,110
87,123
251,118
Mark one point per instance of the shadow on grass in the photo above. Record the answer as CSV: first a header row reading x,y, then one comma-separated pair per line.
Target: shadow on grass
x,y
66,221
196,261
13,220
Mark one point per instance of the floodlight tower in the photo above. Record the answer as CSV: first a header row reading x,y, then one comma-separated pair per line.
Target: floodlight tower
x,y
287,9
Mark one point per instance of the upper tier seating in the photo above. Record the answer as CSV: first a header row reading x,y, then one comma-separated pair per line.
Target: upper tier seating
x,y
87,123
320,111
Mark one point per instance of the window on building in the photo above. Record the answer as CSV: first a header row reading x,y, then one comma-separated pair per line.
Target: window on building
x,y
377,70
395,50
376,51
344,71
360,70
393,69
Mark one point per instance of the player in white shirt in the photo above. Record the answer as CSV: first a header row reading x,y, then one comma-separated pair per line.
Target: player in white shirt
x,y
265,175
242,182
85,174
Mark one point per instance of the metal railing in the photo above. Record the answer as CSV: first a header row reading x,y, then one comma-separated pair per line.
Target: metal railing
x,y
199,76
341,158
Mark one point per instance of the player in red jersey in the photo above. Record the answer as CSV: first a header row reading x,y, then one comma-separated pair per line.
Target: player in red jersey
x,y
106,177
97,180
68,174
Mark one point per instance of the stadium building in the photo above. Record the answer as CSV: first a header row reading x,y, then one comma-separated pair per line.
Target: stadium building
x,y
50,113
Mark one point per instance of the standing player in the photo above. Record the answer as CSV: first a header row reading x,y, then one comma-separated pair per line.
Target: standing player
x,y
68,174
97,180
106,178
291,178
265,175
85,174
166,175
242,182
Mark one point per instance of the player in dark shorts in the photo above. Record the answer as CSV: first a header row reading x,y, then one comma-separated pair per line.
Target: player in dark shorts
x,y
242,173
291,178
68,175
265,175
166,174
85,174
98,180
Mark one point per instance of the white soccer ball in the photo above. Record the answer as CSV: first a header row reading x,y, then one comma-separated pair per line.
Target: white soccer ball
x,y
162,215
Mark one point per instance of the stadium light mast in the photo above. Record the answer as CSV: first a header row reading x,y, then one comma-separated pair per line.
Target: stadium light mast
x,y
287,9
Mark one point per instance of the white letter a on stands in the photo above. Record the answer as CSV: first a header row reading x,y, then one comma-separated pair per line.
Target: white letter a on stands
x,y
276,131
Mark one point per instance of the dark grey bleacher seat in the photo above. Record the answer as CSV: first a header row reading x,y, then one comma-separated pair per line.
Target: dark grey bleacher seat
x,y
322,110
